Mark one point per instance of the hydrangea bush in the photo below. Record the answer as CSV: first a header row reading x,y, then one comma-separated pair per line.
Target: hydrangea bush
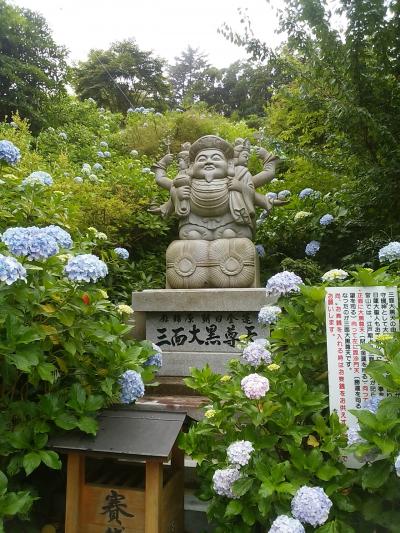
x,y
270,454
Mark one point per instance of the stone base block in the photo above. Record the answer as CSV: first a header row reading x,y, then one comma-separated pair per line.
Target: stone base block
x,y
196,264
197,327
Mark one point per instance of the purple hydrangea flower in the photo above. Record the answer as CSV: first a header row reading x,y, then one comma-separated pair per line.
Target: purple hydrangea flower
x,y
312,248
255,354
326,220
38,178
100,154
269,314
255,386
9,153
286,524
390,252
239,452
122,252
223,481
311,505
11,270
271,195
283,283
32,242
85,267
132,386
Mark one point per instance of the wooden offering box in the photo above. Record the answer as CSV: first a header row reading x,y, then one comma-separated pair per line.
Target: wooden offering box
x,y
118,482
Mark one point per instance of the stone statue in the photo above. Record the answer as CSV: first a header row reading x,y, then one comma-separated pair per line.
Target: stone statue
x,y
214,197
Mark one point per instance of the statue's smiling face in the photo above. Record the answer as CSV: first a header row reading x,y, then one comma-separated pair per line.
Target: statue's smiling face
x,y
210,164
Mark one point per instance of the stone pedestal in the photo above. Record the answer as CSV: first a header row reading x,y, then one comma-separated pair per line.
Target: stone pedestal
x,y
197,326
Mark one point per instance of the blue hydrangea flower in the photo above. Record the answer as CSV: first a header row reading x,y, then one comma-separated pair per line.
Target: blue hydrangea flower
x,y
100,154
107,154
38,178
372,404
78,179
9,153
239,452
155,359
390,252
62,237
32,242
326,219
271,195
98,166
312,248
132,386
283,283
130,110
353,435
104,144
286,524
255,354
311,505
122,252
11,270
85,267
63,135
397,465
306,193
283,194
223,481
269,314
260,250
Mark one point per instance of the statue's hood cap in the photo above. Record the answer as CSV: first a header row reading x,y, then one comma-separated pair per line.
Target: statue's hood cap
x,y
210,141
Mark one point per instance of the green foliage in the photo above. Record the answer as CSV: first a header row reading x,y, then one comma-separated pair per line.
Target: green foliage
x,y
122,77
63,345
296,441
32,65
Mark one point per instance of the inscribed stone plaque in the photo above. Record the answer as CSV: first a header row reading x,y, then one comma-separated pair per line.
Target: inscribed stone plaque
x,y
355,316
215,331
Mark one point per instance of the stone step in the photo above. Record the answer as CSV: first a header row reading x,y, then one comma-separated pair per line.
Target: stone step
x,y
170,386
192,405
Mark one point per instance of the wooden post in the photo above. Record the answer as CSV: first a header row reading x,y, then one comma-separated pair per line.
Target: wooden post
x,y
75,481
153,497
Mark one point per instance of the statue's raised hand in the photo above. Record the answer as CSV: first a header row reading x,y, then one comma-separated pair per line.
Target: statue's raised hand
x,y
261,152
166,160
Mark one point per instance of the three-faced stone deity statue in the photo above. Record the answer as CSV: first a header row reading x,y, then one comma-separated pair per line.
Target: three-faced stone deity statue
x,y
214,197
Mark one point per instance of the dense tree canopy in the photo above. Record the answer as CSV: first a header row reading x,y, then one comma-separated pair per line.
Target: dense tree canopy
x,y
32,66
121,77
